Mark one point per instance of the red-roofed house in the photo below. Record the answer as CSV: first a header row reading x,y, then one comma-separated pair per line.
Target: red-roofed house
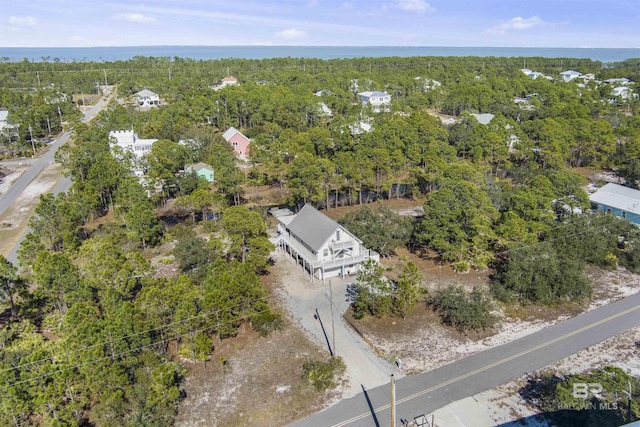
x,y
238,141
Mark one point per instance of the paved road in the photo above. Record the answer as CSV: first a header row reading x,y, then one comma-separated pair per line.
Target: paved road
x,y
38,164
422,394
36,167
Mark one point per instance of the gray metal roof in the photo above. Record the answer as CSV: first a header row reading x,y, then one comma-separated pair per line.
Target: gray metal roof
x,y
312,227
145,93
619,197
231,132
483,118
199,166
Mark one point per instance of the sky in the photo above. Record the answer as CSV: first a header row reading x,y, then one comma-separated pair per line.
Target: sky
x,y
500,23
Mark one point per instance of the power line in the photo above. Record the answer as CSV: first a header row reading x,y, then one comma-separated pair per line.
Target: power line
x,y
114,356
162,327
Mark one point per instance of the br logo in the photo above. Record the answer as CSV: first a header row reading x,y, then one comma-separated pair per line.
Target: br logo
x,y
584,390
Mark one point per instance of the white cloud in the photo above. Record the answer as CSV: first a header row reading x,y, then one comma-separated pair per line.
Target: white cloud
x,y
138,18
413,5
291,34
518,24
28,21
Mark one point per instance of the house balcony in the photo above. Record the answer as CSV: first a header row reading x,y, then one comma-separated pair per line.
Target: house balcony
x,y
342,244
310,258
350,260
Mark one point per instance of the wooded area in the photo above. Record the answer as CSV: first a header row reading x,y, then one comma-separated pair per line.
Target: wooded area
x,y
93,334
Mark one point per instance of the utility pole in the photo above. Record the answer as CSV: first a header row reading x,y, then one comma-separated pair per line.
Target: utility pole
x,y
393,401
60,116
33,147
38,76
105,77
48,125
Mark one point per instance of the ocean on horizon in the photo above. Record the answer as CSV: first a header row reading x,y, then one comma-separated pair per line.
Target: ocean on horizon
x,y
108,54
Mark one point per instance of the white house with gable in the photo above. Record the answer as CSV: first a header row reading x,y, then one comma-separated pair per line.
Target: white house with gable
x,y
7,129
227,81
321,246
146,98
569,75
379,101
128,141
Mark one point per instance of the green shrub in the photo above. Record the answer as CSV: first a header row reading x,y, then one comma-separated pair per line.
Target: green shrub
x,y
267,322
461,267
556,396
464,310
323,375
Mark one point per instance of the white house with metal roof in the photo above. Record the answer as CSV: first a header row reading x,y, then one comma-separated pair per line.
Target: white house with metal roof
x,y
146,98
619,200
569,75
320,245
379,101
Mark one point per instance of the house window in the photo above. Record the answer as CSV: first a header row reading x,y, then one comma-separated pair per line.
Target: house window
x,y
608,210
338,235
235,145
624,214
325,252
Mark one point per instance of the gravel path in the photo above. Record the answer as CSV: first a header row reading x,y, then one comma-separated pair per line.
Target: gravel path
x,y
301,299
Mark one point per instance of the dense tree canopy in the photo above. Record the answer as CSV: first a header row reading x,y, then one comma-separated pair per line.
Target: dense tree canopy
x,y
88,339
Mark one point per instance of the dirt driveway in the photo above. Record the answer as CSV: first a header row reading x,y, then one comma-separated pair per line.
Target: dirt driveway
x,y
301,298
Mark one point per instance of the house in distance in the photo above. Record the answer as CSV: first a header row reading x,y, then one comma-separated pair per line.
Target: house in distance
x,y
379,101
321,246
201,170
618,200
238,141
146,98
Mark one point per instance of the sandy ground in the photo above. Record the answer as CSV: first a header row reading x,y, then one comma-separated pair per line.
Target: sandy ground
x,y
425,344
15,220
300,298
434,345
12,173
504,406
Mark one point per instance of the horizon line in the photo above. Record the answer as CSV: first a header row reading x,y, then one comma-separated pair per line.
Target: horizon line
x,y
313,46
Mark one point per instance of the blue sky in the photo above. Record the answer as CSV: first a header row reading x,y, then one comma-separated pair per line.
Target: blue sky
x,y
532,23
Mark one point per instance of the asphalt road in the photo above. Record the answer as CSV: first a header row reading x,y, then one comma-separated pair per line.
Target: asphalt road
x,y
36,167
424,393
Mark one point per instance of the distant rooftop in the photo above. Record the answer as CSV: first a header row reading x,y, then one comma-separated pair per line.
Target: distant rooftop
x,y
483,118
618,196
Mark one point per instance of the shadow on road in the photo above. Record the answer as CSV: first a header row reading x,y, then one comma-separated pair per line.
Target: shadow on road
x,y
373,411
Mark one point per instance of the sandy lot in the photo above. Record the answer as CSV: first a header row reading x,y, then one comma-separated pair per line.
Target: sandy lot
x,y
12,173
261,384
15,220
506,407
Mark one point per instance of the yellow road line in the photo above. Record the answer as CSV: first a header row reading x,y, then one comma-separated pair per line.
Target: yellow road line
x,y
492,365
